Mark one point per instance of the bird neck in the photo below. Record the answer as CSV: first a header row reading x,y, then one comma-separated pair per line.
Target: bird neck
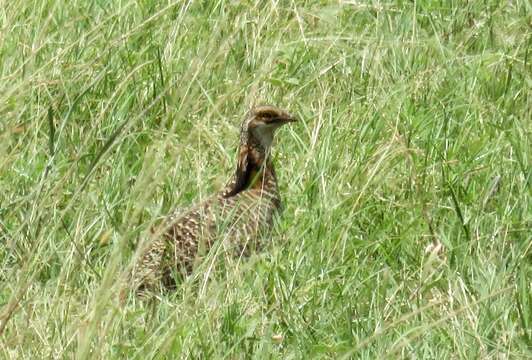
x,y
260,174
254,171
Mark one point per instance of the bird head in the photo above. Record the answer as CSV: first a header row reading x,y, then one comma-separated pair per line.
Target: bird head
x,y
261,124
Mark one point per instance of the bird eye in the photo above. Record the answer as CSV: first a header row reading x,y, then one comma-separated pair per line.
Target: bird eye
x,y
268,115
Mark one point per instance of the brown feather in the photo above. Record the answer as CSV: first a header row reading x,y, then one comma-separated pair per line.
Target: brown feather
x,y
237,216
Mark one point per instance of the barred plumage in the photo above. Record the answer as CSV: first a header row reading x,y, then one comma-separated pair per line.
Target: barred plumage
x,y
233,219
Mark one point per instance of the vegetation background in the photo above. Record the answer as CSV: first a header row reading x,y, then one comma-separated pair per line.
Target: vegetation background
x,y
406,227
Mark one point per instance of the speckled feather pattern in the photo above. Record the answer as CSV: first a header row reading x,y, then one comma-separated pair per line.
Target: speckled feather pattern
x,y
233,220
238,220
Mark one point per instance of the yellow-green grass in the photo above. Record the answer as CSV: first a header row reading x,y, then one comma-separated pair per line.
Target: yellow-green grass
x,y
406,184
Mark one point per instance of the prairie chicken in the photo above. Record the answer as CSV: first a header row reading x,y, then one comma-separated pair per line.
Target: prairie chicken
x,y
233,219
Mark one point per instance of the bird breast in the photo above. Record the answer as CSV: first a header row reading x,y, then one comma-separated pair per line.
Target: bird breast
x,y
236,221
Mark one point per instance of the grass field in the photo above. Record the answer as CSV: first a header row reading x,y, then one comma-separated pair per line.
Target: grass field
x,y
406,230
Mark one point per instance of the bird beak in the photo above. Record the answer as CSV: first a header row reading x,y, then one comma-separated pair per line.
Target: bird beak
x,y
288,118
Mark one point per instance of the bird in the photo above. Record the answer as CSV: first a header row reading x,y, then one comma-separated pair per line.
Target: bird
x,y
236,218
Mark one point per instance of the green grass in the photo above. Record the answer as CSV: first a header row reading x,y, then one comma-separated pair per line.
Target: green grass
x,y
414,135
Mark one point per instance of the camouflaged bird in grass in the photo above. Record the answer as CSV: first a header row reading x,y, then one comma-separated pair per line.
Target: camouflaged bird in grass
x,y
231,221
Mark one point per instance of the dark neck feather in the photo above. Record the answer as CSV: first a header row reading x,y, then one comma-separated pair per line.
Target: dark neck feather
x,y
254,169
